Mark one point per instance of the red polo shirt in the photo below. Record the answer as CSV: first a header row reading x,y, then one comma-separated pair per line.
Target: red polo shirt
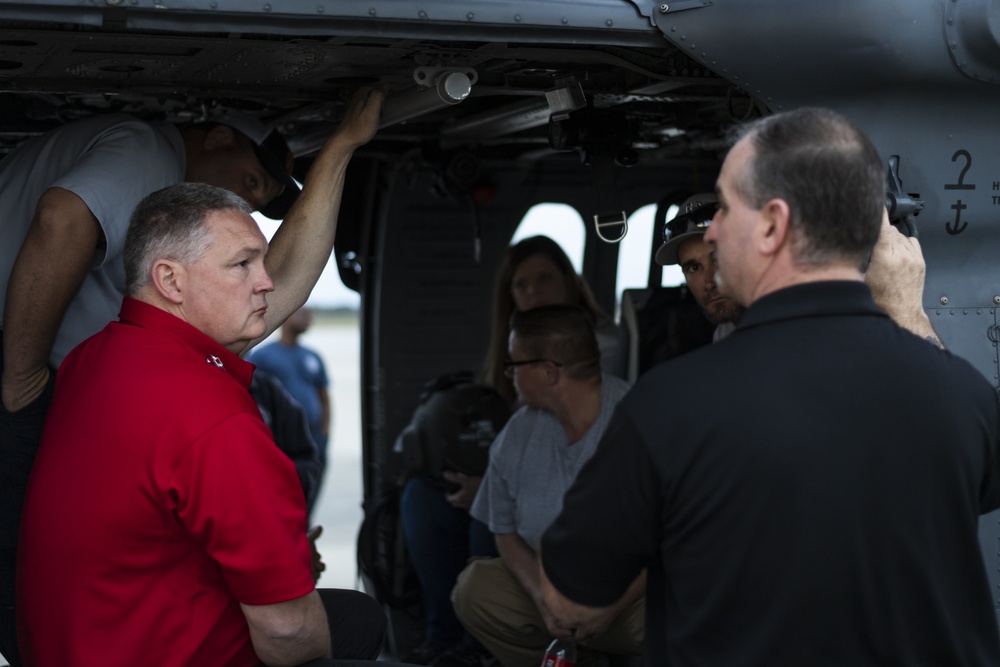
x,y
157,504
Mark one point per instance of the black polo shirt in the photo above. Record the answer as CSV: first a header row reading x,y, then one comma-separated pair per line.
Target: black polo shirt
x,y
805,492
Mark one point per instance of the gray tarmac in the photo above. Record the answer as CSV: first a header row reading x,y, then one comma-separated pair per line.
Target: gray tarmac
x,y
338,509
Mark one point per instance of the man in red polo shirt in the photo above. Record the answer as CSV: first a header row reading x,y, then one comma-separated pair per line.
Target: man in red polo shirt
x,y
162,524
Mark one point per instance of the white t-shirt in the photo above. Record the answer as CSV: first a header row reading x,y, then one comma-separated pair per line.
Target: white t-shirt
x,y
532,465
111,162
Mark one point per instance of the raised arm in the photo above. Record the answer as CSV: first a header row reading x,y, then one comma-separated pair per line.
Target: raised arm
x,y
896,278
289,633
50,267
302,245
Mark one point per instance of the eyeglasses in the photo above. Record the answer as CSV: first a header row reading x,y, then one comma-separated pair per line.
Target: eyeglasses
x,y
510,366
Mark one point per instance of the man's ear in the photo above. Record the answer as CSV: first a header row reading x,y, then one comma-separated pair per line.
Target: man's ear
x,y
219,136
551,374
775,221
169,279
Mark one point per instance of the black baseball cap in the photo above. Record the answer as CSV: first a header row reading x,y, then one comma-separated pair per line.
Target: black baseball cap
x,y
274,155
692,220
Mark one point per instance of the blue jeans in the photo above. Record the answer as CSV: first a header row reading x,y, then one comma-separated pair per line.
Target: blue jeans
x,y
440,540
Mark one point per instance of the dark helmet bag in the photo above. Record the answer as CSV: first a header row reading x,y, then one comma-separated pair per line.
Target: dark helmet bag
x,y
453,427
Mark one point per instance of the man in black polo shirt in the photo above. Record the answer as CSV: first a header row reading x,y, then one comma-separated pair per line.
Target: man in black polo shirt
x,y
806,491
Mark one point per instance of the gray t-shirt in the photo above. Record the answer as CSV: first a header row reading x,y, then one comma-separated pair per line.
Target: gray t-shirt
x,y
111,162
532,464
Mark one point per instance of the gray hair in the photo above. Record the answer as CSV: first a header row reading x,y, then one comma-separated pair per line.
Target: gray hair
x,y
170,224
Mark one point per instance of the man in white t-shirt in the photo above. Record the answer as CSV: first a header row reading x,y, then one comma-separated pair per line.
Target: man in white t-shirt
x,y
566,404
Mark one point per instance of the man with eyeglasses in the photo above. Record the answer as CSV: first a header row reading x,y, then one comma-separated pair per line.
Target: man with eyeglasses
x,y
566,404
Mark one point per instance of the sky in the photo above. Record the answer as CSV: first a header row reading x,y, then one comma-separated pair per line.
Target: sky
x,y
329,291
560,222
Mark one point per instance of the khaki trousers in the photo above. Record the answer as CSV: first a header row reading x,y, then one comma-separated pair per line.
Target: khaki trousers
x,y
495,608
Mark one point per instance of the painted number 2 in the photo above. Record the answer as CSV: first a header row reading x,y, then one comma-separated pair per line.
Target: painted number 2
x,y
957,226
961,185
